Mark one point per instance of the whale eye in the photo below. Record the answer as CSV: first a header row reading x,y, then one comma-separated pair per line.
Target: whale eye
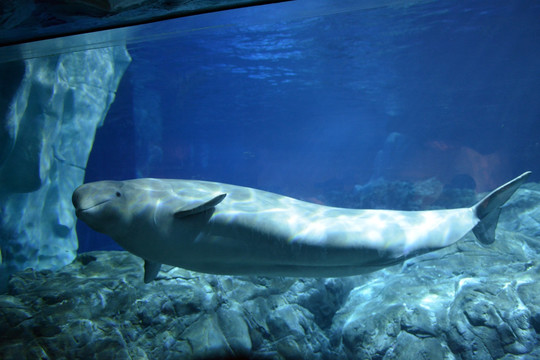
x,y
118,194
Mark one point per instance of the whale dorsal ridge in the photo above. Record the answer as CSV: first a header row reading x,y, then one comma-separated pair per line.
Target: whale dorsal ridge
x,y
198,206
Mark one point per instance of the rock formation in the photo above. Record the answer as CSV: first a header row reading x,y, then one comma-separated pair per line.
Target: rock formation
x,y
49,113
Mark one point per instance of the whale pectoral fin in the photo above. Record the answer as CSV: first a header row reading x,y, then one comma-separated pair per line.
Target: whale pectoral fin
x,y
198,207
151,270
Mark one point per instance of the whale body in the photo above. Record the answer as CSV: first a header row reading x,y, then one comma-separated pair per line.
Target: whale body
x,y
226,229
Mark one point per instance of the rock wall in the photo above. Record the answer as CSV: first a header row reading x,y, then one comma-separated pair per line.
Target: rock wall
x,y
50,110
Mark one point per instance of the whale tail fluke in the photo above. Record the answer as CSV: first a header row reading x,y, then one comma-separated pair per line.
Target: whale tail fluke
x,y
489,208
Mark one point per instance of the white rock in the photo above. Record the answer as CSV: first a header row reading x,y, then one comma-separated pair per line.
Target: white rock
x,y
49,130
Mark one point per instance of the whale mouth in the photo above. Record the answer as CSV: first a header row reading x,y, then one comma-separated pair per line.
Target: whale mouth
x,y
79,211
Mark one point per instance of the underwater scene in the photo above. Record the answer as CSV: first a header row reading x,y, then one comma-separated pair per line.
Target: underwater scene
x,y
307,179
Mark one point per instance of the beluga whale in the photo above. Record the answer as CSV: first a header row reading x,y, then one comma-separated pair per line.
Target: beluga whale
x,y
218,228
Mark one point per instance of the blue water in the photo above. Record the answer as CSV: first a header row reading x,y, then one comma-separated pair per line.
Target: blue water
x,y
308,97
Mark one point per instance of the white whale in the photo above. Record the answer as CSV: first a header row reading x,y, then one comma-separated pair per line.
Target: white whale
x,y
226,229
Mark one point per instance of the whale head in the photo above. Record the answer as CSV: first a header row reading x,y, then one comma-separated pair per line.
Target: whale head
x,y
103,206
140,213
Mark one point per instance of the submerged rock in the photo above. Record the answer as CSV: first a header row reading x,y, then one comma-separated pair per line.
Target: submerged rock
x,y
99,304
467,301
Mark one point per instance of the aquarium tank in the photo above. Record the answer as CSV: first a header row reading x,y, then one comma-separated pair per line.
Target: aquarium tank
x,y
239,179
